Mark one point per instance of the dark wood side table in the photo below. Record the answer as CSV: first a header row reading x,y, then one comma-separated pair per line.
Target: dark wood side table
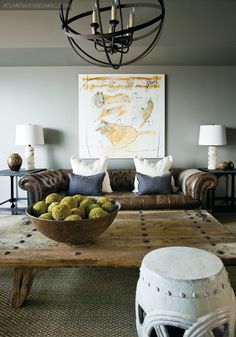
x,y
229,198
14,198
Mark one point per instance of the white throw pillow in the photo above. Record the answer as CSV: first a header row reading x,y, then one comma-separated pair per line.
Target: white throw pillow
x,y
84,169
147,167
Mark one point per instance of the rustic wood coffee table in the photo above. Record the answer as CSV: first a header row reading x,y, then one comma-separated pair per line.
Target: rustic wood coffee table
x,y
131,236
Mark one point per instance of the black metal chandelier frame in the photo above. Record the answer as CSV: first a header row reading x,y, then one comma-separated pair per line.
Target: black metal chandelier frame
x,y
115,41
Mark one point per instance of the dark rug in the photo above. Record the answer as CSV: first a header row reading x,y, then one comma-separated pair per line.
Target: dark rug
x,y
72,303
95,302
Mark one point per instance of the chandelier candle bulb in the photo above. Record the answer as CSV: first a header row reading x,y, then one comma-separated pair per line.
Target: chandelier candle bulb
x,y
131,18
113,10
95,13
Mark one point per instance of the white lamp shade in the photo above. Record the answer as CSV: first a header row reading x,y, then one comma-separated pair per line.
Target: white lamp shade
x,y
212,135
28,134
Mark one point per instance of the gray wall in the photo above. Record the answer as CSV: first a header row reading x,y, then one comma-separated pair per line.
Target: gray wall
x,y
49,96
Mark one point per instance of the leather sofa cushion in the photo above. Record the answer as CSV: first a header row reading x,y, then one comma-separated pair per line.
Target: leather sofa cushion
x,y
130,200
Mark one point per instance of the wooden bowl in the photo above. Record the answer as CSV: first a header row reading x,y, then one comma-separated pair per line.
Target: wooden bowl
x,y
80,231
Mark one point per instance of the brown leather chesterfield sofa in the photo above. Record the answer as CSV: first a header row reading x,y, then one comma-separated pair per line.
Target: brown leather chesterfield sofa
x,y
192,191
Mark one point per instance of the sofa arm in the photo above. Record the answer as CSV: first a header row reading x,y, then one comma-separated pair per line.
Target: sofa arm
x,y
198,184
39,185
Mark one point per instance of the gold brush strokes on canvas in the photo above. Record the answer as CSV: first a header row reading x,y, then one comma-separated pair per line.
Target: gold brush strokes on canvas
x,y
118,111
128,82
147,112
100,99
120,135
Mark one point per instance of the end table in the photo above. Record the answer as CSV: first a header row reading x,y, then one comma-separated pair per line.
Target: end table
x,y
14,198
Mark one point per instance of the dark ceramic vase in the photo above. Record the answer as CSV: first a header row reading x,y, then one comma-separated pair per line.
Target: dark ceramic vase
x,y
14,162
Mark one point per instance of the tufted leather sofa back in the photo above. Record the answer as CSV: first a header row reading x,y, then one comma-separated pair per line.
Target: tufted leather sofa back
x,y
122,180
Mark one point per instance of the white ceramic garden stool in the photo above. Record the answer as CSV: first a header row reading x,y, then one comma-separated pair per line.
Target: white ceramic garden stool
x,y
184,291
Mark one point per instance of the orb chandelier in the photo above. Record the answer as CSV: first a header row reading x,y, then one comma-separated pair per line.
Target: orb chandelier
x,y
111,30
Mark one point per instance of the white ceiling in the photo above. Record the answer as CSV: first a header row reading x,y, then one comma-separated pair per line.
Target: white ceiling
x,y
199,32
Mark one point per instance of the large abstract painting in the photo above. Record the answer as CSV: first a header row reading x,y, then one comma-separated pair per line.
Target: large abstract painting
x,y
121,116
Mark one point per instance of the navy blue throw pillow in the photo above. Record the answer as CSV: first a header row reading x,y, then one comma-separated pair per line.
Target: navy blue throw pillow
x,y
85,185
154,185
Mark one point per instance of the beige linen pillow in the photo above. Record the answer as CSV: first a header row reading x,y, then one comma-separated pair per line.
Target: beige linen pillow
x,y
84,169
149,168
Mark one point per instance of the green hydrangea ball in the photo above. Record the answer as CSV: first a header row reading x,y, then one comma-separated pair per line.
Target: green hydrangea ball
x,y
52,198
60,212
109,206
73,217
88,209
86,202
40,208
79,211
46,216
78,198
97,213
102,200
69,201
52,205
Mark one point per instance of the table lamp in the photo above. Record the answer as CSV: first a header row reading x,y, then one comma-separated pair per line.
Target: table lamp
x,y
29,135
212,135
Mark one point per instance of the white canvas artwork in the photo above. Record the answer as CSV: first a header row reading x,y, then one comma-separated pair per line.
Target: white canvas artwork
x,y
121,116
